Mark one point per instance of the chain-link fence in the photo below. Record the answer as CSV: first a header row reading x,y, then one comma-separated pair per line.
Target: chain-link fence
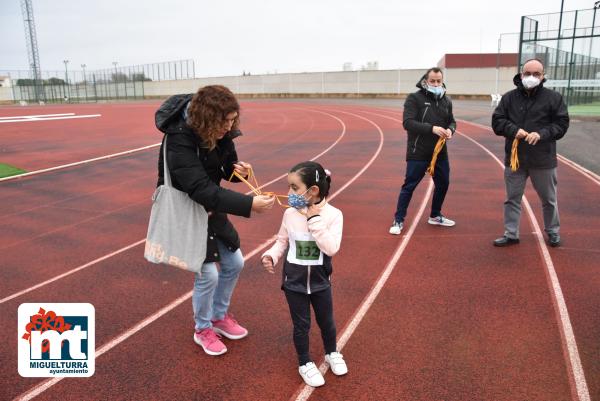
x,y
69,86
569,45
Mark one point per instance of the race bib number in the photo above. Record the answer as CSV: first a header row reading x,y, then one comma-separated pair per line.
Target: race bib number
x,y
304,250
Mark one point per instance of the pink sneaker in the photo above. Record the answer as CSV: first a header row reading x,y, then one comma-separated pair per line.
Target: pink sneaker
x,y
229,327
209,341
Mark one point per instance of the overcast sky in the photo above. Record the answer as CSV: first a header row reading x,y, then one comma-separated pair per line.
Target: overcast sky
x,y
228,37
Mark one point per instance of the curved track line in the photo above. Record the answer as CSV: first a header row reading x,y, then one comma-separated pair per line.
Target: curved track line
x,y
45,385
577,380
576,374
46,170
584,171
102,258
595,178
68,273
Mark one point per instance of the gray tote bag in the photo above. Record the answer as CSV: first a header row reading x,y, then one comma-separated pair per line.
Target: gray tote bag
x,y
178,227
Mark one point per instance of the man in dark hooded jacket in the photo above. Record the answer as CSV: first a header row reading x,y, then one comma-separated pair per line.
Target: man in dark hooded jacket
x,y
427,118
537,117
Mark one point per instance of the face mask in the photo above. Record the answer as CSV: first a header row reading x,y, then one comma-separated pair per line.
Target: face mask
x,y
530,82
436,90
297,201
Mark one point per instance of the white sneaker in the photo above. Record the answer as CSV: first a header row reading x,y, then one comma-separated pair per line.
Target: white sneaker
x,y
337,363
396,228
311,375
441,221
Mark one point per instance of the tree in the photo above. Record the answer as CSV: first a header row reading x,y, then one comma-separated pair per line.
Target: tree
x,y
140,76
55,81
25,82
119,77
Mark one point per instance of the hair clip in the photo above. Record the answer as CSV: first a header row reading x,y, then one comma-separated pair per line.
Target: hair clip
x,y
317,175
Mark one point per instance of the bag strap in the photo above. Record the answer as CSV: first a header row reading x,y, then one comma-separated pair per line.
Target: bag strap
x,y
166,174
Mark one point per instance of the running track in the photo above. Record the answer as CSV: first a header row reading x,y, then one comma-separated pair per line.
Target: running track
x,y
436,314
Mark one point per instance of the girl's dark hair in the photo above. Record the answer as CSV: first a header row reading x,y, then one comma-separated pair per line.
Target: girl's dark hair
x,y
208,112
312,173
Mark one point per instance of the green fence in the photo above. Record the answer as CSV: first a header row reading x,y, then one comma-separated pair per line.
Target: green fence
x,y
569,45
118,83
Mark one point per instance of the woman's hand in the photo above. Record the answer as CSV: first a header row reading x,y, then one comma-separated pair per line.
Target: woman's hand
x,y
242,168
262,203
267,263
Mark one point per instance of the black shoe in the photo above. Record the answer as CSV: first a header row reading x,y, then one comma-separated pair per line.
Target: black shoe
x,y
505,241
554,240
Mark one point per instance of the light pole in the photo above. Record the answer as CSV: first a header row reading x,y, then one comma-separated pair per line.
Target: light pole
x,y
498,57
115,79
84,81
66,79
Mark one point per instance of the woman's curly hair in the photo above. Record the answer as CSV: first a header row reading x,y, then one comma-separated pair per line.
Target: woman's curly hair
x,y
208,112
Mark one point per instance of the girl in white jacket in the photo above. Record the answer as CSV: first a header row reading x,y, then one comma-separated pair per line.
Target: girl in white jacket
x,y
311,232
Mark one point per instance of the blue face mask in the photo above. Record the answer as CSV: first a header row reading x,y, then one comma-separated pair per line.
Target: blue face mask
x,y
438,91
297,201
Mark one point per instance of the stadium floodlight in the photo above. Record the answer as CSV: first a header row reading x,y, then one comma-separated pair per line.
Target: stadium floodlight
x,y
66,72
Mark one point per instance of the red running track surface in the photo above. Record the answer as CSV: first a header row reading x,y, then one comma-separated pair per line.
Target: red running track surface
x,y
456,320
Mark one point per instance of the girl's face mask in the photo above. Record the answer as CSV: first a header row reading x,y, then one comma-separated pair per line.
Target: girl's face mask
x,y
298,201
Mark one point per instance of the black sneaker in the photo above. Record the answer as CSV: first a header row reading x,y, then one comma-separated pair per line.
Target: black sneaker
x,y
554,240
505,241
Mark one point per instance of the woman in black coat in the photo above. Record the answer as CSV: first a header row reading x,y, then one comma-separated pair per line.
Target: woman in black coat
x,y
200,153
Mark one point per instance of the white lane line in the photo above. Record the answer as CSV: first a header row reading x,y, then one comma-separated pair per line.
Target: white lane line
x,y
26,120
589,174
576,377
576,374
75,270
46,170
36,116
45,385
595,178
79,268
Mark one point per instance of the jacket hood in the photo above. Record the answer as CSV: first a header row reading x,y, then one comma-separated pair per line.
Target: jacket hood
x,y
421,85
519,83
169,116
170,113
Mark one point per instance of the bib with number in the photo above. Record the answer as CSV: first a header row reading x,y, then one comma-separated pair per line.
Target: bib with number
x,y
304,250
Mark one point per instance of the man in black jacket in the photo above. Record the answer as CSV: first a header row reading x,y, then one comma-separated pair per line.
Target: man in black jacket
x,y
427,118
537,117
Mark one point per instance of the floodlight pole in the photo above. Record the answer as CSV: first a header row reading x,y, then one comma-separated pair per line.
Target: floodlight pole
x,y
116,79
68,91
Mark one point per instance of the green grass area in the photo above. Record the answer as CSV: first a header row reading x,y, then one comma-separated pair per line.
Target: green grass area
x,y
6,170
588,109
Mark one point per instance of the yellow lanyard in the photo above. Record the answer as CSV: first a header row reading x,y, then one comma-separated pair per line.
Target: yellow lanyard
x,y
255,187
514,155
438,148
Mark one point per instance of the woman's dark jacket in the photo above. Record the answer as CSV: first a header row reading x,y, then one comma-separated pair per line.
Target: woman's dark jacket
x,y
198,171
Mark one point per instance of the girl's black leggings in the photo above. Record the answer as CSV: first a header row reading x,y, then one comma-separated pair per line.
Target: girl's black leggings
x,y
322,303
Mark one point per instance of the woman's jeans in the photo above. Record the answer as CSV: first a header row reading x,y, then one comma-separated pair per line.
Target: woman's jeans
x,y
213,287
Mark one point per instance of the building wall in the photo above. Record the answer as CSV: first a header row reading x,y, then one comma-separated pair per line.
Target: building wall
x,y
6,95
460,81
